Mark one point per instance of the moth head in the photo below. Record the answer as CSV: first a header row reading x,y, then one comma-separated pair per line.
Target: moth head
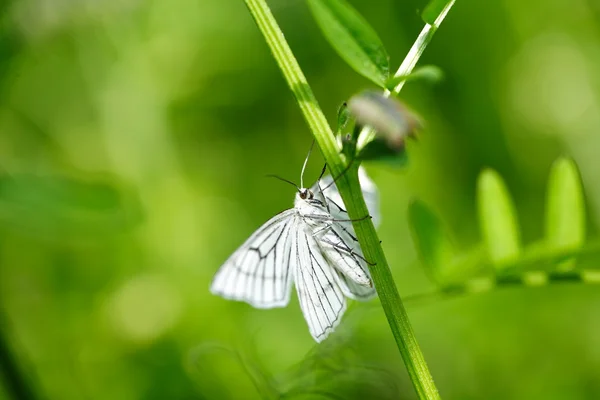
x,y
305,194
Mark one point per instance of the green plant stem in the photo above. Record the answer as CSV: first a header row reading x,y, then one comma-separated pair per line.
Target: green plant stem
x,y
409,63
349,188
483,285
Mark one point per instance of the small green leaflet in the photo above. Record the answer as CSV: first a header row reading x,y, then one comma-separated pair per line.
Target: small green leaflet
x,y
565,208
427,73
562,257
497,218
431,240
441,260
343,117
352,38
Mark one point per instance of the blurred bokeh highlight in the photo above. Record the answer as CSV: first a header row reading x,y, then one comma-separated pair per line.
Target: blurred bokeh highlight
x,y
135,137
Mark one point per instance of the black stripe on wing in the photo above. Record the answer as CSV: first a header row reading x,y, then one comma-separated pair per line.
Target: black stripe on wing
x,y
259,272
321,298
351,267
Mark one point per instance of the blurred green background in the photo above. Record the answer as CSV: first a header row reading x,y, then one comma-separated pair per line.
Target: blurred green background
x,y
134,140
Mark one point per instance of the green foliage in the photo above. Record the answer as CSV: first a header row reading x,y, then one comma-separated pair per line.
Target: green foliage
x,y
442,261
498,219
431,240
565,208
352,38
343,117
426,73
504,263
159,102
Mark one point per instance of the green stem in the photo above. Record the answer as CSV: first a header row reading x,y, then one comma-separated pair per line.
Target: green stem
x,y
409,63
483,285
417,49
349,188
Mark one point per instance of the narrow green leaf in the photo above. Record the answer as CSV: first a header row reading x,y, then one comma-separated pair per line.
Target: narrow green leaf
x,y
565,208
433,9
352,38
432,241
343,117
427,73
497,218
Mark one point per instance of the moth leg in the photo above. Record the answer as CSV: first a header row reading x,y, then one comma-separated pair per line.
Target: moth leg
x,y
324,229
347,250
325,218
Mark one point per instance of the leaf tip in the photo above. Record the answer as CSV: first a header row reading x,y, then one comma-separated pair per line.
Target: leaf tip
x,y
565,206
497,216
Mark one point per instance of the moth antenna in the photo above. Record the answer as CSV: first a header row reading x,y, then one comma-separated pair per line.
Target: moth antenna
x,y
322,172
284,180
339,176
320,177
306,162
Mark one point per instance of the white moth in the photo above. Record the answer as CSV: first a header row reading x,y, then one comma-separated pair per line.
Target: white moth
x,y
313,245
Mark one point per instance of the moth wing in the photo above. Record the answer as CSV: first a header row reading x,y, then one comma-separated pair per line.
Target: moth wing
x,y
321,298
341,248
339,242
259,272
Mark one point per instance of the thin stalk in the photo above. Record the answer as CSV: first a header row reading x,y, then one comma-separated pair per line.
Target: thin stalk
x,y
478,286
350,190
409,63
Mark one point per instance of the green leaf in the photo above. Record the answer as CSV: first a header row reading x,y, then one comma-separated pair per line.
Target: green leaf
x,y
427,73
343,117
433,9
58,206
565,207
497,218
352,38
432,241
